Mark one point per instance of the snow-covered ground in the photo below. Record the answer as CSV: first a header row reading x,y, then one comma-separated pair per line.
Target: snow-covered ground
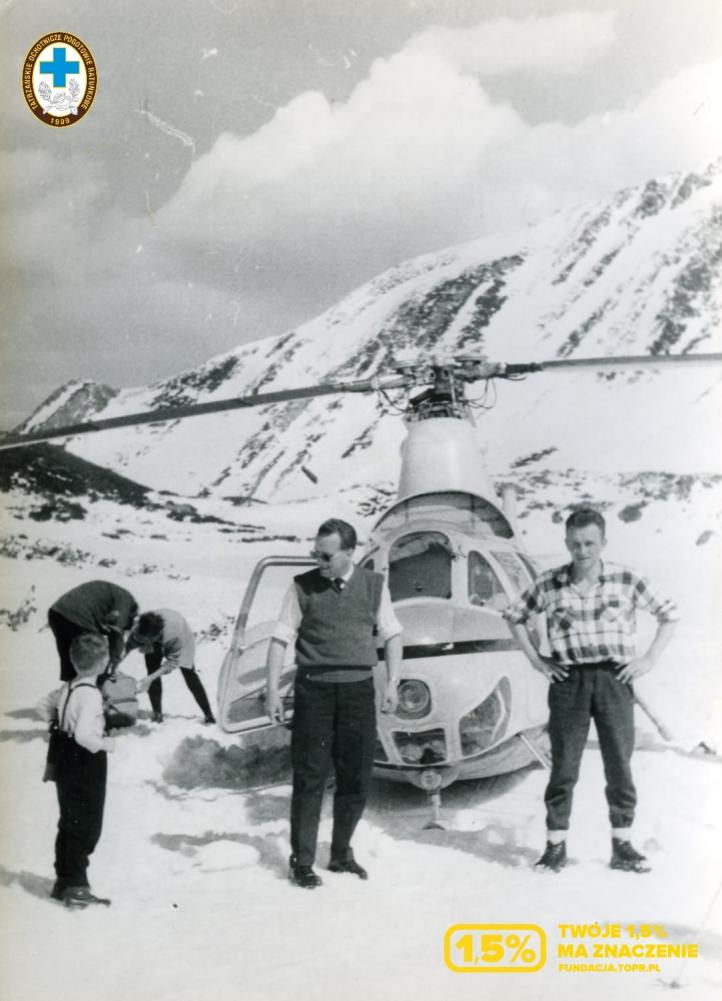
x,y
202,908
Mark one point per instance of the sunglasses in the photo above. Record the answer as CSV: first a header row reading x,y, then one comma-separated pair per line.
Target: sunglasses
x,y
322,557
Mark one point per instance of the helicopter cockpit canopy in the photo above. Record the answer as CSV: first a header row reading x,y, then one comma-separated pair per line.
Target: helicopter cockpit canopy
x,y
445,585
468,513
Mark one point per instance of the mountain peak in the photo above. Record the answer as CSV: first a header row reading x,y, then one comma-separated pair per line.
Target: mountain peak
x,y
72,403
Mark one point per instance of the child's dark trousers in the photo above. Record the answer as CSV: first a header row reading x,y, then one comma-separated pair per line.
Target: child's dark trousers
x,y
80,778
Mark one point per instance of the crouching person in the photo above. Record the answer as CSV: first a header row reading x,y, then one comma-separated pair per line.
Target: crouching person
x,y
78,752
168,643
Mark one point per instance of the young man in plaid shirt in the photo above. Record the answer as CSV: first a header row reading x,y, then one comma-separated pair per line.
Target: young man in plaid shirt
x,y
590,620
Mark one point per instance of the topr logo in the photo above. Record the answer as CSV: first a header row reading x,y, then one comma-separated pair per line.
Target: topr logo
x,y
59,79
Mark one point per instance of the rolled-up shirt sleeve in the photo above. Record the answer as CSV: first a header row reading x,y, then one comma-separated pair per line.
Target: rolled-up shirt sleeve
x,y
661,607
530,602
387,624
289,618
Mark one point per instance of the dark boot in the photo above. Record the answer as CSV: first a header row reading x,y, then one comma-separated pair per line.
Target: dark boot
x,y
303,875
79,897
349,864
626,858
554,858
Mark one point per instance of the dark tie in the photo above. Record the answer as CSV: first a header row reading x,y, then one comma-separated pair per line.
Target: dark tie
x,y
338,584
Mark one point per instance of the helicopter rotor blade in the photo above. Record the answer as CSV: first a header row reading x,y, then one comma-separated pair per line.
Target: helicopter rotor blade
x,y
619,361
402,378
9,441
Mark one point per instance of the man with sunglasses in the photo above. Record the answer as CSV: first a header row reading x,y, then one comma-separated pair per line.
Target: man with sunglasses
x,y
333,613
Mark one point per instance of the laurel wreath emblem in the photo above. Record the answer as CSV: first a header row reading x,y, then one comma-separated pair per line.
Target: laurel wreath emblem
x,y
60,100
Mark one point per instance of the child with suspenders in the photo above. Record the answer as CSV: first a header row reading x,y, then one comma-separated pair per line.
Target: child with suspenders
x,y
77,763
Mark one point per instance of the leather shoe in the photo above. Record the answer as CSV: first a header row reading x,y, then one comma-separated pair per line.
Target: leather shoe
x,y
303,875
348,865
80,896
554,858
626,858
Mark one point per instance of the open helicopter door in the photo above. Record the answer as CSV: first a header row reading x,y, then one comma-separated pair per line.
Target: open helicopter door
x,y
242,680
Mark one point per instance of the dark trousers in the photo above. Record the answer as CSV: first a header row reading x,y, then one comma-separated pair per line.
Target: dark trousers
x,y
591,692
80,778
64,632
190,676
333,723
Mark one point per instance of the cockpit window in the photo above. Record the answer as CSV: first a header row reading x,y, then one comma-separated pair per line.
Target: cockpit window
x,y
484,585
514,569
529,565
420,566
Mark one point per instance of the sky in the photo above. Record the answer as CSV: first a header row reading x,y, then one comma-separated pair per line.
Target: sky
x,y
246,163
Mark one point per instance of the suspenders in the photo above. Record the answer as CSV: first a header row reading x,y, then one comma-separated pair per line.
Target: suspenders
x,y
83,684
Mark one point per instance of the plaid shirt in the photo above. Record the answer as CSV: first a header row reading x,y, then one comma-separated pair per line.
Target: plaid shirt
x,y
598,625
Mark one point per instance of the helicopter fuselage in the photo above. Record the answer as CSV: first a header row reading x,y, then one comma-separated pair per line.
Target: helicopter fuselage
x,y
466,691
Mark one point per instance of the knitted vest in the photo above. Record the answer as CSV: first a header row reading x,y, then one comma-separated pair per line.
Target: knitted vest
x,y
337,627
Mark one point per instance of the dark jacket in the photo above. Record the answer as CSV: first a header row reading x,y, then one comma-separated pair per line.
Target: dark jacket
x,y
99,607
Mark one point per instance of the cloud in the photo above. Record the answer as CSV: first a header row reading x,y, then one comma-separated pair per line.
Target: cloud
x,y
51,208
420,157
674,128
267,229
81,302
406,149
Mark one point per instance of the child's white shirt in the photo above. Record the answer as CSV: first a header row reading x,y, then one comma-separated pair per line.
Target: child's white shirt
x,y
84,719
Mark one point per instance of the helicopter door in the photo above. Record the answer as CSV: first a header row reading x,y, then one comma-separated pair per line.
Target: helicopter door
x,y
242,680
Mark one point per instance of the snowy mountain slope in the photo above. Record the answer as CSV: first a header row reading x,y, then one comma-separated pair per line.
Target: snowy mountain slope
x,y
637,273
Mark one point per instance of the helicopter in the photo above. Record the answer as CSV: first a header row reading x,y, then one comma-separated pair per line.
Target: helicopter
x,y
469,705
